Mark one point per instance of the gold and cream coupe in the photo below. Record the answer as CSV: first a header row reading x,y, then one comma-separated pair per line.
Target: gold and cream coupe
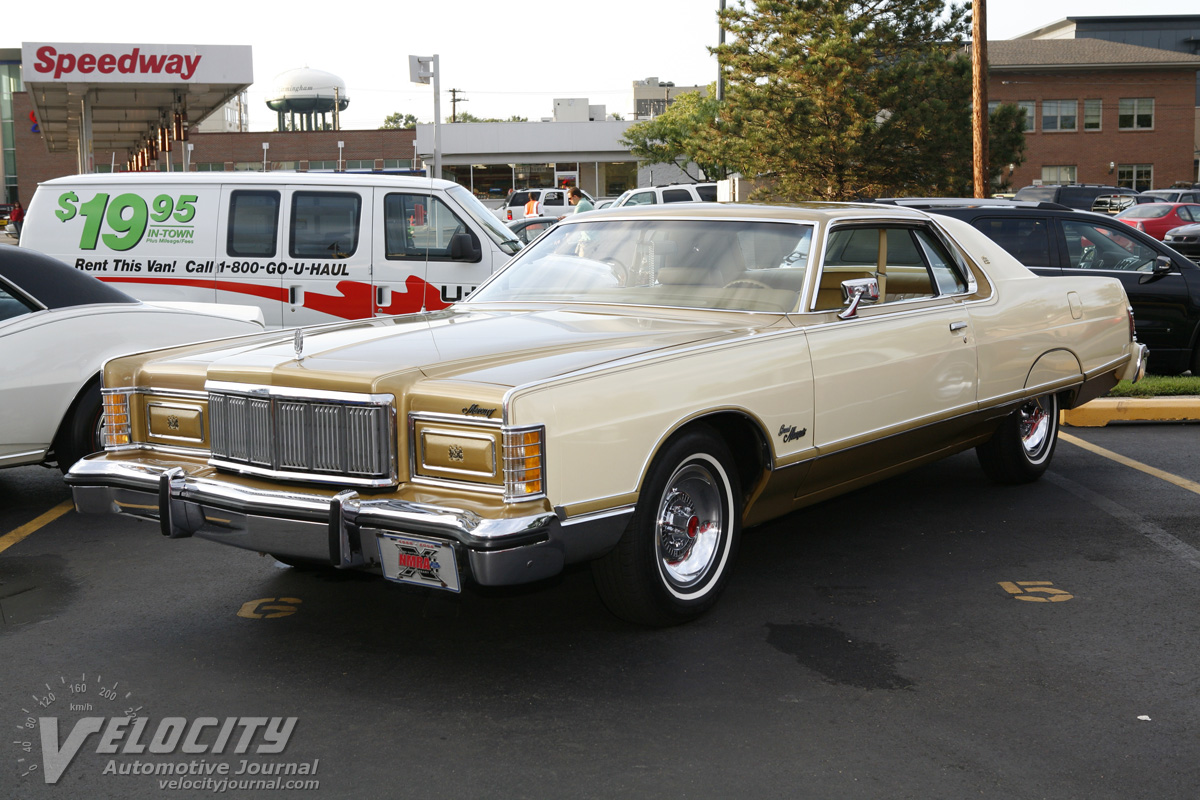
x,y
634,389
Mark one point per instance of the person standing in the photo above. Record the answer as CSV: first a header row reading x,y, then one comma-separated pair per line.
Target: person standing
x,y
16,217
577,198
531,207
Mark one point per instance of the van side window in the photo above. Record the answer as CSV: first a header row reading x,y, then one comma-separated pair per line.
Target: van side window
x,y
325,224
253,224
417,227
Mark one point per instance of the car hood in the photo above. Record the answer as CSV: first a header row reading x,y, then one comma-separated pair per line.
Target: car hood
x,y
505,348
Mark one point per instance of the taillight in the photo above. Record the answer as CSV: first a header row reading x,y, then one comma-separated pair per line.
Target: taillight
x,y
510,215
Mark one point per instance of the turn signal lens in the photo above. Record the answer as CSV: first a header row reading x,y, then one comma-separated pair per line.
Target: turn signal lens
x,y
116,420
524,463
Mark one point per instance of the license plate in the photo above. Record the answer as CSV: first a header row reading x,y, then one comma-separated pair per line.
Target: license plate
x,y
418,561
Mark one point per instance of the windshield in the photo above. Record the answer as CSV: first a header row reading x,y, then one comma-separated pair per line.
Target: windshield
x,y
1148,211
477,211
718,264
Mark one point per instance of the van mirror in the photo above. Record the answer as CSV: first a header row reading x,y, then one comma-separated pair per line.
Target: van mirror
x,y
464,247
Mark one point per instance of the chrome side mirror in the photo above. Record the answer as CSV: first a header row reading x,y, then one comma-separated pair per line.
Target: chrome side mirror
x,y
857,291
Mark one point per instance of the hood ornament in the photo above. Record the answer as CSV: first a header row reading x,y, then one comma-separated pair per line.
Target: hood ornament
x,y
298,343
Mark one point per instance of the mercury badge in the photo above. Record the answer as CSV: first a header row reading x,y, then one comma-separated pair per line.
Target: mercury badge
x,y
298,343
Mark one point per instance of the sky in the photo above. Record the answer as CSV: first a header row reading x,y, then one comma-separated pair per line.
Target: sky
x,y
507,57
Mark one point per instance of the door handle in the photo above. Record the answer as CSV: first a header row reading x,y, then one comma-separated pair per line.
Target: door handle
x,y
955,327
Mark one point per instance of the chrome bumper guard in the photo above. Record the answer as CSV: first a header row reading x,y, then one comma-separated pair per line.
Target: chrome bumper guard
x,y
341,529
1136,369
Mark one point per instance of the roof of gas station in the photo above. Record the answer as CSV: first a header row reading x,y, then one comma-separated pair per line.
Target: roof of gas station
x,y
129,90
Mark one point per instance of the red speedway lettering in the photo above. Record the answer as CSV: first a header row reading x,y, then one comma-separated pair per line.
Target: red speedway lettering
x,y
49,60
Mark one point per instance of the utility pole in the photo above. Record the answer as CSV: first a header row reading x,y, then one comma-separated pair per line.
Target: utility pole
x,y
979,99
454,101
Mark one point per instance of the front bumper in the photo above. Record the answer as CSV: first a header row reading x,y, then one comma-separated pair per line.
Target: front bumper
x,y
341,529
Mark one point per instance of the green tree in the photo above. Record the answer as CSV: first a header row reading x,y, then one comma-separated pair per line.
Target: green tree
x,y
686,134
467,116
399,121
839,99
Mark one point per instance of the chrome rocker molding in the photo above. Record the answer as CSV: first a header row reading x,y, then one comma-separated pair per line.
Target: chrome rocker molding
x,y
337,530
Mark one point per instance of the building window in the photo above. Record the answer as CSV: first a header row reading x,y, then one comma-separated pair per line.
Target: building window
x,y
248,166
360,163
1059,115
1136,176
1029,107
1060,174
210,166
317,166
1091,114
397,163
1135,113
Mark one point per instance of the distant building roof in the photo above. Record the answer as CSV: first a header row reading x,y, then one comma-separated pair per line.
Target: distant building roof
x,y
1028,54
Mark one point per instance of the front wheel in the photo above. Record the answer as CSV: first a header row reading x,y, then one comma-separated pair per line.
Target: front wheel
x,y
1021,448
677,552
82,433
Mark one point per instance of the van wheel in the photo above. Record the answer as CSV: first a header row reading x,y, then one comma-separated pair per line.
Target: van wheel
x,y
83,433
1021,448
677,552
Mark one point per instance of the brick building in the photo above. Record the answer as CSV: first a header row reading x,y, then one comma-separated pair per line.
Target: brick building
x,y
1098,111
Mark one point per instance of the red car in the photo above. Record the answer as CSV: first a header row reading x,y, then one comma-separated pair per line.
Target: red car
x,y
1158,218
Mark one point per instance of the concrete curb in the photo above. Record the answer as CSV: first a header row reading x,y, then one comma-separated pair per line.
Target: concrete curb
x,y
1104,410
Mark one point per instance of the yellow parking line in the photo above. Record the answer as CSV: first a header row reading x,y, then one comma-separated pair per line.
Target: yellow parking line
x,y
13,537
1184,483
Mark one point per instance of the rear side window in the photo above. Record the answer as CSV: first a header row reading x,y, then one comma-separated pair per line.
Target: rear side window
x,y
1026,240
253,224
1077,198
707,193
677,196
325,224
519,198
552,199
12,304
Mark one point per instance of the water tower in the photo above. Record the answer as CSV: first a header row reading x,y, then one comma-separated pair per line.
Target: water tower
x,y
307,93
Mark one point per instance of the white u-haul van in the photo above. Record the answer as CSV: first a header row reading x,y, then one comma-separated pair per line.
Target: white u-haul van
x,y
304,247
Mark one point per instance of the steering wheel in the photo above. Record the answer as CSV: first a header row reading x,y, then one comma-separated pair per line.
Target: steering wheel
x,y
746,283
619,270
1129,262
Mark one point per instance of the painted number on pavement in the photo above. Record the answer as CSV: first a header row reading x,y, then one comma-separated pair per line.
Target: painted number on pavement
x,y
1036,591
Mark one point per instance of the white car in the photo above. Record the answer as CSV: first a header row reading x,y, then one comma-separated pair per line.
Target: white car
x,y
668,193
551,203
57,328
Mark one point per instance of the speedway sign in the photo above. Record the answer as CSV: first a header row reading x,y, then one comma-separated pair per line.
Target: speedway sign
x,y
57,62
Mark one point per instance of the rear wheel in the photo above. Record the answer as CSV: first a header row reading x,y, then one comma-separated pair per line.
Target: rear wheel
x,y
82,434
1021,448
677,552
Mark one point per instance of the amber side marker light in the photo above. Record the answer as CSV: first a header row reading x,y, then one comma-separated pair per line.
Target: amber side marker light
x,y
116,420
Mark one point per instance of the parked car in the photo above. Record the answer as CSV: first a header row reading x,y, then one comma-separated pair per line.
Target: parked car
x,y
1156,219
631,390
57,327
1082,196
5,211
551,202
1185,239
1174,195
668,193
1163,285
530,228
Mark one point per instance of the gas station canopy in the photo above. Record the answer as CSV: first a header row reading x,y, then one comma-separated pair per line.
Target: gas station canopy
x,y
92,98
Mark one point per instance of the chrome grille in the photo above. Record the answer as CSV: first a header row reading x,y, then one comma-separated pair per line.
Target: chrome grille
x,y
301,438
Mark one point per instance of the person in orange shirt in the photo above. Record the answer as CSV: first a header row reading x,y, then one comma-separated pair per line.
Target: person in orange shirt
x,y
531,208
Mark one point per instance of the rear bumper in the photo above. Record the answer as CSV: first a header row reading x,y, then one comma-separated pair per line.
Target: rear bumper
x,y
1135,370
341,529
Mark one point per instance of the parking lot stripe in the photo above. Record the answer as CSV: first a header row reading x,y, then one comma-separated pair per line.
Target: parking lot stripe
x,y
18,535
1178,548
1184,483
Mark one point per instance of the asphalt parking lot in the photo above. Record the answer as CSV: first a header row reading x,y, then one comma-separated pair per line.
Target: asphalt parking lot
x,y
933,636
